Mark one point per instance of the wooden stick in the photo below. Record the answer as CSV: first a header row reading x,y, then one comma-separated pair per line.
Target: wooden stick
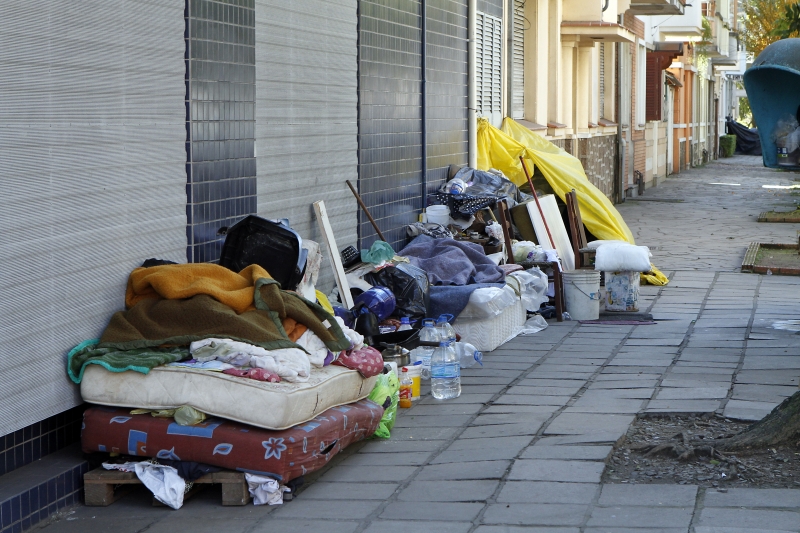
x,y
364,207
333,252
536,199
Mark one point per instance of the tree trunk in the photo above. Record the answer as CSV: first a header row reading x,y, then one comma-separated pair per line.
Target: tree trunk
x,y
780,427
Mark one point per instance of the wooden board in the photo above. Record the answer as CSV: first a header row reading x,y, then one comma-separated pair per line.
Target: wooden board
x,y
333,254
103,487
556,224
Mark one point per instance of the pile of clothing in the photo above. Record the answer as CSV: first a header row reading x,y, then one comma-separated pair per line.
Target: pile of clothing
x,y
207,319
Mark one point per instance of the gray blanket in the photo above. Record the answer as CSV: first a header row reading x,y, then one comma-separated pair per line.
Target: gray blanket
x,y
451,262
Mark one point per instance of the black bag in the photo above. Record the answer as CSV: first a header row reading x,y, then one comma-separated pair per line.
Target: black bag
x,y
272,245
407,292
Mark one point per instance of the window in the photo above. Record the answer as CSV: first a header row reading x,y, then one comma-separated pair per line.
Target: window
x,y
489,71
641,83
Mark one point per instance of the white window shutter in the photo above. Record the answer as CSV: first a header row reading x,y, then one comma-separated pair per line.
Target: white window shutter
x,y
489,68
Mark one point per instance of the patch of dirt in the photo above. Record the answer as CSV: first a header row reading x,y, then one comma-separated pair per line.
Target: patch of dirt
x,y
768,468
780,216
777,258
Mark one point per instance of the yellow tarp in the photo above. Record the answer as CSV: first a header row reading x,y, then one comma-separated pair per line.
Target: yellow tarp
x,y
501,149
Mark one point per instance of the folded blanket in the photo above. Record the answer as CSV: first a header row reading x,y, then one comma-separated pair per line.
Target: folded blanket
x,y
451,262
179,306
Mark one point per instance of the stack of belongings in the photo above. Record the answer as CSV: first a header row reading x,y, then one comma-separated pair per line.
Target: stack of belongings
x,y
209,368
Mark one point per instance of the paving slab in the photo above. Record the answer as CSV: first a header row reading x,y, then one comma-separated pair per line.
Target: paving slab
x,y
763,498
476,490
583,453
410,523
711,529
693,393
327,510
762,393
300,525
748,410
683,406
635,516
580,423
525,529
322,490
535,514
547,492
749,518
556,470
366,474
466,470
432,511
648,495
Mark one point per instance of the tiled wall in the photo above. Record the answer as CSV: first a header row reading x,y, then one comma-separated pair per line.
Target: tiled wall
x,y
33,442
24,510
220,120
597,157
390,114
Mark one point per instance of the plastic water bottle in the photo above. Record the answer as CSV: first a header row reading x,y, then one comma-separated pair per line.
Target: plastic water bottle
x,y
428,333
445,373
468,355
446,331
405,324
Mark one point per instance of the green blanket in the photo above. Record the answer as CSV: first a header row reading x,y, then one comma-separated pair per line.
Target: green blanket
x,y
156,331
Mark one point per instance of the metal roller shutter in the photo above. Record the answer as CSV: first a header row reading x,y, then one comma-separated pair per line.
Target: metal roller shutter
x,y
518,61
92,178
306,114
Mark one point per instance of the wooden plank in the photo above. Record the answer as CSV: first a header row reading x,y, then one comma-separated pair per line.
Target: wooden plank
x,y
333,253
103,487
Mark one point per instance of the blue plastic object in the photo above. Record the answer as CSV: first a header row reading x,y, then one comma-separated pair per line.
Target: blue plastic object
x,y
379,300
773,87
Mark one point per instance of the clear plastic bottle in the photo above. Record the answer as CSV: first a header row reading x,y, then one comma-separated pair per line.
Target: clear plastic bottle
x,y
468,355
445,373
446,331
405,324
405,389
428,333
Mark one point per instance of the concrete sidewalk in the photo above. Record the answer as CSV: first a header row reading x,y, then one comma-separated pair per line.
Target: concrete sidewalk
x,y
524,447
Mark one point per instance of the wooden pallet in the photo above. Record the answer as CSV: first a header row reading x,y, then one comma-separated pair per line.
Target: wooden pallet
x,y
103,487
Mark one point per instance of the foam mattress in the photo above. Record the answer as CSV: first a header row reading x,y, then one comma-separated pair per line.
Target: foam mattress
x,y
257,403
283,455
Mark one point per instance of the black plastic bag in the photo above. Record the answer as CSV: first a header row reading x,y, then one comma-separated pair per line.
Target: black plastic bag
x,y
408,293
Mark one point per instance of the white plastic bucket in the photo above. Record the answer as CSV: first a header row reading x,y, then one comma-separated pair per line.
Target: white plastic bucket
x,y
438,214
582,294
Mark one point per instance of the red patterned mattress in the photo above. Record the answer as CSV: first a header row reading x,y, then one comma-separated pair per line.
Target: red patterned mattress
x,y
283,455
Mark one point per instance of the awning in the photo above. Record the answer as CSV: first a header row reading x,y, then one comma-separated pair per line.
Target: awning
x,y
597,31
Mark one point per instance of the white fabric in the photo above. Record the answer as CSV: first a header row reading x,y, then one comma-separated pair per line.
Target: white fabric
x,y
594,245
617,256
265,490
281,405
356,339
122,467
163,481
291,364
317,351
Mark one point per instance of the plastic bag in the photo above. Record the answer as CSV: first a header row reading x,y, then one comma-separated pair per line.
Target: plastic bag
x,y
409,296
386,393
527,251
616,257
379,253
534,284
489,302
533,325
421,277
